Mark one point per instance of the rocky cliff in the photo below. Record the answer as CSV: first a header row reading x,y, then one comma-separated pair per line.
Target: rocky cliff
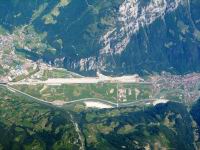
x,y
116,37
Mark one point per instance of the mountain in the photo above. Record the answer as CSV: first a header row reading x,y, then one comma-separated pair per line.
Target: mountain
x,y
165,126
26,124
115,37
195,114
38,38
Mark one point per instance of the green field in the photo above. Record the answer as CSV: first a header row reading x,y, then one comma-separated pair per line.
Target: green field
x,y
107,91
25,124
58,73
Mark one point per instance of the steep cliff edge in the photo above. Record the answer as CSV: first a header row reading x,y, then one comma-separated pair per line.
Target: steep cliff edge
x,y
116,37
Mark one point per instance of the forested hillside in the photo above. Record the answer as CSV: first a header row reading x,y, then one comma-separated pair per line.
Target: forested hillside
x,y
116,37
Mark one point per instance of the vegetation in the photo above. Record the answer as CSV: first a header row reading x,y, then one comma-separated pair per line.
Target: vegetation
x,y
66,32
73,30
2,71
57,73
27,125
106,91
164,126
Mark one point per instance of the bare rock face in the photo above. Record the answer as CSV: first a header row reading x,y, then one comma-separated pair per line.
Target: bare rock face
x,y
152,35
115,36
132,15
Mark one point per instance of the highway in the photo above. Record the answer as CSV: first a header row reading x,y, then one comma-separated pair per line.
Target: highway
x,y
27,95
113,104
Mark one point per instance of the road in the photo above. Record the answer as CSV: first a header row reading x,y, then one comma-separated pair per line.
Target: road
x,y
25,94
113,104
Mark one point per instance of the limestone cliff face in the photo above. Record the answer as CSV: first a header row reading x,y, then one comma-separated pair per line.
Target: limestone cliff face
x,y
132,15
153,35
147,36
116,36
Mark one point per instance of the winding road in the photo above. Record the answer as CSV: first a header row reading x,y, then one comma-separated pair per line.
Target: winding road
x,y
113,104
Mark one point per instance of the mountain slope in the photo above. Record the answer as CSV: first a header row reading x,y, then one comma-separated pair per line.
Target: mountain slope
x,y
165,126
26,124
125,36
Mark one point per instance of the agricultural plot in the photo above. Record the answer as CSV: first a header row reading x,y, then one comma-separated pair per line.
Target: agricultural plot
x,y
113,92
